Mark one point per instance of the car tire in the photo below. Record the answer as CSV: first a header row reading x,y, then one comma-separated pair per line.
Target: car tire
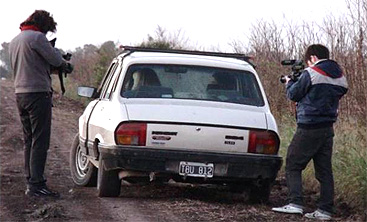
x,y
109,184
83,172
260,192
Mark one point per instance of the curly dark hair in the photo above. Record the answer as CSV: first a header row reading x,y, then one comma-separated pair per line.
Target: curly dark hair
x,y
42,20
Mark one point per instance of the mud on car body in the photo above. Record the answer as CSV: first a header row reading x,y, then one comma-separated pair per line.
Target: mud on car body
x,y
187,116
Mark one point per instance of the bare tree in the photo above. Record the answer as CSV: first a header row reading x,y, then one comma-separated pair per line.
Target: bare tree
x,y
165,40
345,36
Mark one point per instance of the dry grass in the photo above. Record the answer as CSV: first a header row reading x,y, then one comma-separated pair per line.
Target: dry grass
x,y
349,162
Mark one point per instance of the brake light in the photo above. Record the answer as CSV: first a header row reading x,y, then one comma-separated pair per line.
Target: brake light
x,y
131,134
263,142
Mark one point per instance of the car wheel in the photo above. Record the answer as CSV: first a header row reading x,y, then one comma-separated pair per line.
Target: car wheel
x,y
109,184
83,172
260,192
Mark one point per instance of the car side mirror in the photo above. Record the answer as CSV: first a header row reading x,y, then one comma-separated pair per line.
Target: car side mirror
x,y
89,92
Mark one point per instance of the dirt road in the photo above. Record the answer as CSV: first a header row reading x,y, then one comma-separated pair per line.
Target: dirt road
x,y
136,203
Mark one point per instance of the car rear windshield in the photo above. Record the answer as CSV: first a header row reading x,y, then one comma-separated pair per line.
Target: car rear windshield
x,y
191,82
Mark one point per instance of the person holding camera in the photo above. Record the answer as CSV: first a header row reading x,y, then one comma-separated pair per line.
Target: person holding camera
x,y
31,57
317,92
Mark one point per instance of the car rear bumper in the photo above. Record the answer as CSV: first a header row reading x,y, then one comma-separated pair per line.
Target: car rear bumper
x,y
165,161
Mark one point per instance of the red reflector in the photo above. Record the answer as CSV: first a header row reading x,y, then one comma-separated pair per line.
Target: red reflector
x,y
131,134
252,142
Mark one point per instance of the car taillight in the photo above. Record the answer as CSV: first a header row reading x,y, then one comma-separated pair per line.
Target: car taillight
x,y
263,142
131,134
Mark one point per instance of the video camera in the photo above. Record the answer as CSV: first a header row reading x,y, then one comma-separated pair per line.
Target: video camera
x,y
297,67
65,68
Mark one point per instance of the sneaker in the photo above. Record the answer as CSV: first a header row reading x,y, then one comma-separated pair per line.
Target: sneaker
x,y
319,215
43,191
289,209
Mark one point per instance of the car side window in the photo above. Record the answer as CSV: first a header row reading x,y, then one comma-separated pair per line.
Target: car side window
x,y
105,93
112,81
101,86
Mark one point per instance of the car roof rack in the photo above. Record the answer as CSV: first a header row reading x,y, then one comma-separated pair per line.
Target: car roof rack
x,y
191,52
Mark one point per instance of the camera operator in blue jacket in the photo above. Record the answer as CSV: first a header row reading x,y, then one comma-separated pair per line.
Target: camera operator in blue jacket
x,y
317,93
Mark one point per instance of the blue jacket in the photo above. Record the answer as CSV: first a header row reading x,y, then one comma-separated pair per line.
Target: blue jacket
x,y
317,93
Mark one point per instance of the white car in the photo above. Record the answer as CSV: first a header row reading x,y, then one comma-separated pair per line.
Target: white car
x,y
186,116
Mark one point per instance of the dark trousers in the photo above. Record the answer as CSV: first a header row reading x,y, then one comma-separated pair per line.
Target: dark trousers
x,y
307,144
35,110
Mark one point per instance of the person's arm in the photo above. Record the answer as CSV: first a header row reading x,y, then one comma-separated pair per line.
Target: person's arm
x,y
297,90
45,49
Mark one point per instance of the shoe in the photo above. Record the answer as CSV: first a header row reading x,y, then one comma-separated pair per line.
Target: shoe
x,y
289,209
43,191
319,215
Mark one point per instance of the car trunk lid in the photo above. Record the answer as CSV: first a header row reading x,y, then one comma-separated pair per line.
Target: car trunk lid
x,y
197,126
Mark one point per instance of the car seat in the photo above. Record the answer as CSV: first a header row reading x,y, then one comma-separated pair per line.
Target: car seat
x,y
145,77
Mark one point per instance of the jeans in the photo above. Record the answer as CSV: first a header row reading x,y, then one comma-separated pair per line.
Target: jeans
x,y
307,144
35,110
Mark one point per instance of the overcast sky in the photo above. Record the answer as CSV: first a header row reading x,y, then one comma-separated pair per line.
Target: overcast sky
x,y
206,23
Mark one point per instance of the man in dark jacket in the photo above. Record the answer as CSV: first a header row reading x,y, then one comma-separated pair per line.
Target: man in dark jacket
x,y
31,56
317,93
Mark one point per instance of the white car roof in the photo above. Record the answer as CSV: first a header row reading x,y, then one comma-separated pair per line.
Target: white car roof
x,y
187,59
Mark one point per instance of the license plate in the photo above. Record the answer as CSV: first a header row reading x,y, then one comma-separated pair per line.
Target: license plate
x,y
194,169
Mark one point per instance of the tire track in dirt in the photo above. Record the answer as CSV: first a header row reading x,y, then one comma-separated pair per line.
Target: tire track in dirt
x,y
76,203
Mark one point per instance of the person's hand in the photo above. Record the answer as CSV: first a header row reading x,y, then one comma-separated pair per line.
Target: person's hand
x,y
287,79
68,68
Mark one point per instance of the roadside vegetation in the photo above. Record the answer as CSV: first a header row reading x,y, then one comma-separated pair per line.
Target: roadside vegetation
x,y
269,43
349,162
